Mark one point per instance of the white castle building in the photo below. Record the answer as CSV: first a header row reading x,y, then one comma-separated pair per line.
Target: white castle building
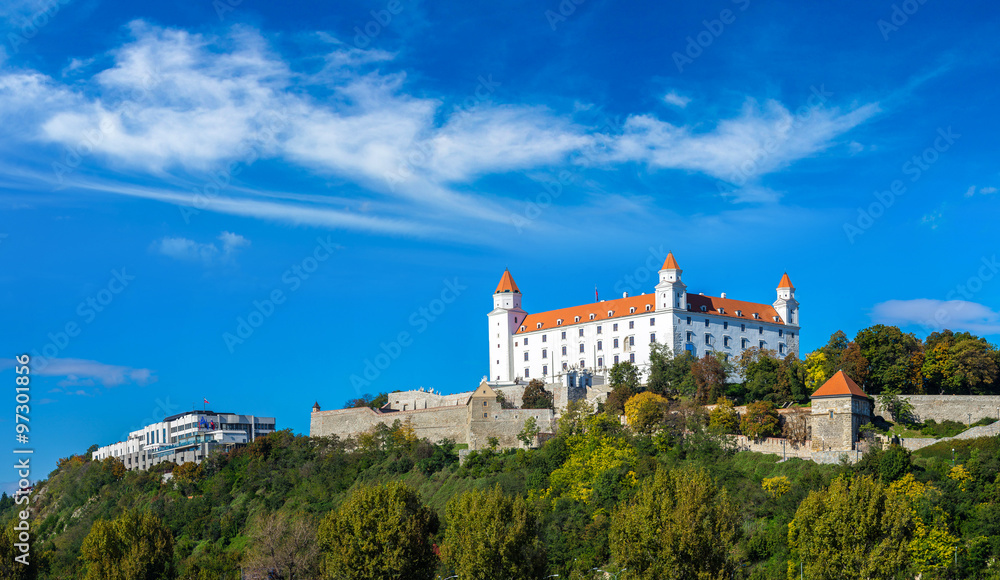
x,y
593,337
184,437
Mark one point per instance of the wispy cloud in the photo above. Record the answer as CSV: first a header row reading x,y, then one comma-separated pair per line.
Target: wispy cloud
x,y
206,253
958,315
672,98
973,190
88,373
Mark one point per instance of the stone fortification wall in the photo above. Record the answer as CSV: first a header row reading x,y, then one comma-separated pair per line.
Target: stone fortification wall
x,y
416,400
915,443
950,407
775,446
505,425
433,424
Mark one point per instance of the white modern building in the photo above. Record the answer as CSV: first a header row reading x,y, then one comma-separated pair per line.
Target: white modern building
x,y
185,437
593,337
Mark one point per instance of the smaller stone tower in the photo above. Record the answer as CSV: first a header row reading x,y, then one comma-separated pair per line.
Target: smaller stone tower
x,y
839,408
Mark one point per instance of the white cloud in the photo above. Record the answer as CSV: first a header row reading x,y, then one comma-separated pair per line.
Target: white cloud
x,y
207,253
973,190
91,373
957,315
672,98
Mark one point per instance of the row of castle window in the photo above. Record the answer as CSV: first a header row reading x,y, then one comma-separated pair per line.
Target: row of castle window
x,y
743,327
600,328
652,322
600,346
583,363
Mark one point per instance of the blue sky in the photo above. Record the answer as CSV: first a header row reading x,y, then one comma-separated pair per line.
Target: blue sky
x,y
168,170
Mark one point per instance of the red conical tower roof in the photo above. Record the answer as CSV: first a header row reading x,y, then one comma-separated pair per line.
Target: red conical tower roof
x,y
839,385
507,284
786,282
670,263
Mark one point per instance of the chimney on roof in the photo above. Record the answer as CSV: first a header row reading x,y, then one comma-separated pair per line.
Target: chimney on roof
x,y
723,295
701,294
624,294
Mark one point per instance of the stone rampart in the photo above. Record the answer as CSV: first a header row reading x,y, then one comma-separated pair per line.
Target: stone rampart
x,y
950,407
432,424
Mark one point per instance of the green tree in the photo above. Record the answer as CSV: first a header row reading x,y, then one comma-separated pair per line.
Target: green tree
x,y
899,408
759,369
889,353
615,403
624,374
761,420
367,400
573,417
10,568
134,546
529,432
670,374
724,418
680,526
535,396
379,533
492,535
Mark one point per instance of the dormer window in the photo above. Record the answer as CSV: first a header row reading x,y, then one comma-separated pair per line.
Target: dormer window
x,y
775,318
648,307
739,313
722,310
610,313
591,316
522,329
559,322
631,310
576,319
539,325
756,315
704,308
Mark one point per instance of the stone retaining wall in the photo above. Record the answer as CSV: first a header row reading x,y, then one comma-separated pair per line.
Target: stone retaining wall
x,y
950,407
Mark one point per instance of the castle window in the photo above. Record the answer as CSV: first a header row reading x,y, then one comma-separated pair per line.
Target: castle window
x,y
600,345
725,325
631,358
564,335
591,316
539,325
760,330
781,331
722,310
652,337
706,323
762,345
831,413
652,322
545,353
739,313
545,338
631,310
565,365
616,343
545,370
690,336
525,373
616,359
631,341
744,342
564,351
526,341
743,328
583,363
576,319
648,307
484,404
631,324
600,361
755,315
581,332
725,341
614,327
610,313
485,415
781,348
689,320
559,322
598,329
581,347
522,328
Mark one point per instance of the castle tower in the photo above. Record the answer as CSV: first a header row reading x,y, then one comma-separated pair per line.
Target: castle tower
x,y
504,320
786,305
671,292
839,408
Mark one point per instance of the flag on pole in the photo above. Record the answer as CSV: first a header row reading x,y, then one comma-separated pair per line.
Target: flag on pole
x,y
206,401
595,294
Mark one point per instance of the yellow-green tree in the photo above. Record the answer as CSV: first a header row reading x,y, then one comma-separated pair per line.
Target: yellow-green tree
x,y
816,370
681,526
859,528
645,411
187,473
492,535
15,563
134,546
724,418
597,449
379,533
776,486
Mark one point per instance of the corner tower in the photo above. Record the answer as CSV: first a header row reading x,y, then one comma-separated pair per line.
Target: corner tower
x,y
504,320
671,292
786,305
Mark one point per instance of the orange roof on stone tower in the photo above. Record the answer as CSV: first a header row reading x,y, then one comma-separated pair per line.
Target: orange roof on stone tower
x,y
507,284
840,385
670,263
786,282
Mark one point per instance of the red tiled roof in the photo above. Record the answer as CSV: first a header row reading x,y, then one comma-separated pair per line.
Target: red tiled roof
x,y
839,384
670,263
729,307
621,307
507,284
786,282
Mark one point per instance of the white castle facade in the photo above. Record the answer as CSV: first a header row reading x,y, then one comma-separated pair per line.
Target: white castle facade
x,y
593,337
